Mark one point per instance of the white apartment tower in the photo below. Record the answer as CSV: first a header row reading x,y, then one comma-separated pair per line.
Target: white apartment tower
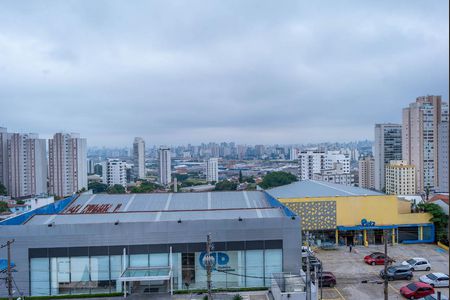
x,y
116,172
443,156
310,162
387,147
366,172
400,178
420,138
212,169
67,164
27,165
4,157
165,166
138,158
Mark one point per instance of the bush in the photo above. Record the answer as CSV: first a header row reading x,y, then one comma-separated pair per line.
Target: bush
x,y
237,297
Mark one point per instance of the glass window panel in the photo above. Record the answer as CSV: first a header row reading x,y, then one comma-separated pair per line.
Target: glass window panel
x,y
39,277
116,271
100,274
254,268
79,275
60,275
159,260
273,263
139,260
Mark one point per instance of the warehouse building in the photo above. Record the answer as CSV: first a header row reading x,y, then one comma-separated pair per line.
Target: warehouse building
x,y
351,215
151,242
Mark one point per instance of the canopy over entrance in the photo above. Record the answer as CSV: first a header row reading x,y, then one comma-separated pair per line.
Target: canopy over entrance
x,y
147,274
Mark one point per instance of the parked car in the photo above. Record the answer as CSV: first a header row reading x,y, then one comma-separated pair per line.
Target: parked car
x,y
417,264
435,279
397,272
327,279
434,297
416,290
376,258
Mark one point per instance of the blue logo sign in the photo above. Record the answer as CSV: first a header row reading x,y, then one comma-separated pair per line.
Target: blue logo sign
x,y
220,258
366,223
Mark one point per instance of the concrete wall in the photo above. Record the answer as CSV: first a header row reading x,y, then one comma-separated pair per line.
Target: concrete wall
x,y
42,236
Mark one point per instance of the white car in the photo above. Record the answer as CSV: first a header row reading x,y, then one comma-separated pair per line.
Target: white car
x,y
434,297
417,264
435,279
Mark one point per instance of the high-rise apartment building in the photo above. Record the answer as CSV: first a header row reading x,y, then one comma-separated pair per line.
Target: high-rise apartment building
x,y
400,178
420,138
310,162
293,153
387,147
165,166
443,157
366,172
67,164
138,158
116,172
27,165
4,156
212,169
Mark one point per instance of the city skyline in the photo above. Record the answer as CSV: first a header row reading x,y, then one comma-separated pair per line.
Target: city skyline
x,y
268,74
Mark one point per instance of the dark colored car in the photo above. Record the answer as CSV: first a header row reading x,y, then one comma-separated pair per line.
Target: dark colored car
x,y
416,290
376,258
397,272
327,279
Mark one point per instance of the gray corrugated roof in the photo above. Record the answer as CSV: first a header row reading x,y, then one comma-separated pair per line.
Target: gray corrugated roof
x,y
154,216
101,208
313,188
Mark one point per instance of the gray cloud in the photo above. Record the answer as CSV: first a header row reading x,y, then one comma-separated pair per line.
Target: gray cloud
x,y
191,71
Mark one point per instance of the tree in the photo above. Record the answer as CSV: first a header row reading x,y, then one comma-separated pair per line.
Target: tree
x,y
97,187
20,202
277,179
240,176
145,187
225,185
439,218
116,189
3,206
3,191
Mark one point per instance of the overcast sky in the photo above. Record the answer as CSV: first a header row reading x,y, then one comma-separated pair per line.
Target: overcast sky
x,y
177,72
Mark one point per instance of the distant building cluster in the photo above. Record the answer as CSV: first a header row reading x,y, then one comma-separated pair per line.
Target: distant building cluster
x,y
411,157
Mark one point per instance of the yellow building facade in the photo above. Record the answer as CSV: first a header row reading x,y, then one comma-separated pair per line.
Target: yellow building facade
x,y
356,219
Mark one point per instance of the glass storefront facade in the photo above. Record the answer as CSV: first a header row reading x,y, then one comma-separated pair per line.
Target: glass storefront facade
x,y
92,274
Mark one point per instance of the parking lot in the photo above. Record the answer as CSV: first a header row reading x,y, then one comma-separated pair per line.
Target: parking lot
x,y
350,270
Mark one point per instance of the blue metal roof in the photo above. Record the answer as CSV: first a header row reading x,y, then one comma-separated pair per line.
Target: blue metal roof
x,y
52,208
313,188
4,265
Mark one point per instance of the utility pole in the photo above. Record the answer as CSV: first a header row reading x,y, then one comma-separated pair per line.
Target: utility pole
x,y
308,270
9,271
385,236
209,262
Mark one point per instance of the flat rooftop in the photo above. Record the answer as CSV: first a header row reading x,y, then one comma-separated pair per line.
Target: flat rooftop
x,y
313,188
156,207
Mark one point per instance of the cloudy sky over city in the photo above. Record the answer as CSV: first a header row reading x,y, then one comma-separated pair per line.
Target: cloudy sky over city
x,y
177,72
